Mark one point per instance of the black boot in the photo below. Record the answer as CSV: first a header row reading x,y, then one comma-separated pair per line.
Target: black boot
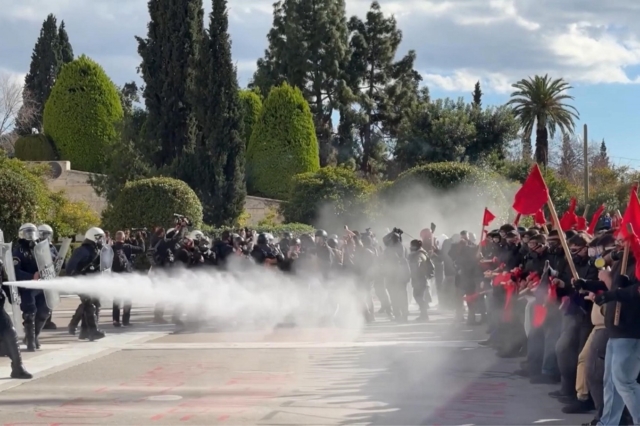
x,y
75,319
29,323
579,407
39,326
126,315
50,325
10,343
91,319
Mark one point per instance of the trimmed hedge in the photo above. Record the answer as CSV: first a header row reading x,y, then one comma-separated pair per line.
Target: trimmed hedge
x,y
152,202
335,190
82,114
296,229
251,110
36,147
461,188
283,144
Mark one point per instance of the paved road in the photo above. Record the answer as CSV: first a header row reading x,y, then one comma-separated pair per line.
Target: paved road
x,y
413,374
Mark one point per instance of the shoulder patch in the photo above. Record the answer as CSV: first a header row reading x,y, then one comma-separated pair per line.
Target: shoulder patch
x,y
16,261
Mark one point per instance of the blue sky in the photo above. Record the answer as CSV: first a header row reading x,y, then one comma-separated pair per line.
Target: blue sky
x,y
594,45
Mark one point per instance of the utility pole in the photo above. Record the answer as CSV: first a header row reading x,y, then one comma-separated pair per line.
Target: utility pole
x,y
585,141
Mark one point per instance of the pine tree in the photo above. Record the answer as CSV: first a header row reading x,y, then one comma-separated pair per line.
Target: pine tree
x,y
477,96
66,51
380,85
601,160
46,61
308,48
220,155
169,61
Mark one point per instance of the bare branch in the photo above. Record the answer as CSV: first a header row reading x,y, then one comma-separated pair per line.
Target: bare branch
x,y
15,106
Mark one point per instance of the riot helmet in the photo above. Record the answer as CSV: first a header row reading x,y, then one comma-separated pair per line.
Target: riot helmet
x,y
196,235
332,242
415,245
95,235
287,236
28,232
321,236
262,239
45,232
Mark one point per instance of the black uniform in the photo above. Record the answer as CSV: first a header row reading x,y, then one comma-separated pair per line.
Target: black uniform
x,y
130,249
85,260
8,336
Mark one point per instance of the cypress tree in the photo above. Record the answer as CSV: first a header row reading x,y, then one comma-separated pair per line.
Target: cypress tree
x,y
477,96
66,51
46,61
308,48
220,155
169,59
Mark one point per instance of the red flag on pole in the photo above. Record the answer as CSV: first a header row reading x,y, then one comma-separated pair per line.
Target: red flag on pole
x,y
533,194
594,220
581,225
488,217
539,218
569,219
632,214
634,246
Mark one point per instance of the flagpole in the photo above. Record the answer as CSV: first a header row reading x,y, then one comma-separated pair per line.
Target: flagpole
x,y
563,238
623,271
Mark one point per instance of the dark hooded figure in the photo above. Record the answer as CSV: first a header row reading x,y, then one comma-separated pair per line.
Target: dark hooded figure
x,y
422,270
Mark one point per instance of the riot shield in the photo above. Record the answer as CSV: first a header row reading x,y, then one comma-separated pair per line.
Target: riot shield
x,y
62,254
47,271
13,308
106,259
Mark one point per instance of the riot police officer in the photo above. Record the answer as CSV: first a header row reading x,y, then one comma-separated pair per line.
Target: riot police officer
x,y
86,260
9,338
35,311
46,233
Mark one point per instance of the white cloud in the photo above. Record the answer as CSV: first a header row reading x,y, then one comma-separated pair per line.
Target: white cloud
x,y
457,41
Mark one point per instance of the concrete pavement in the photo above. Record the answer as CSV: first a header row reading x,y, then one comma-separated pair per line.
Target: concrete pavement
x,y
411,374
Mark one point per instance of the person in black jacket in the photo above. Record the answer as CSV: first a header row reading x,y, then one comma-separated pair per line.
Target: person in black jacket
x,y
622,359
125,251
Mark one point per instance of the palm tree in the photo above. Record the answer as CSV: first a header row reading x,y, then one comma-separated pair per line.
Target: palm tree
x,y
539,101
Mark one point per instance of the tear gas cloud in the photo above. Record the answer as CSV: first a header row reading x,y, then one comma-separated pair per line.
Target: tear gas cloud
x,y
246,293
452,211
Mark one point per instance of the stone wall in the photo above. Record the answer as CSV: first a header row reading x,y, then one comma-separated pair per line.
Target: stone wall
x,y
77,188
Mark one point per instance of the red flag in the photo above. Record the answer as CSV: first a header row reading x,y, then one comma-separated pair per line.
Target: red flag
x,y
632,214
569,219
634,247
594,220
532,195
539,315
581,225
516,221
539,218
488,217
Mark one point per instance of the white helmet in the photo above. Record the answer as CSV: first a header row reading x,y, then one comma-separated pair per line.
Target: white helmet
x,y
95,234
46,232
196,235
28,231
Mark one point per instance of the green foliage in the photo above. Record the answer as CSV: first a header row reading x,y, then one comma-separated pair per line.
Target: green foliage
x,y
19,196
82,115
152,202
251,109
36,147
296,229
338,192
71,218
308,48
447,176
170,78
283,144
66,50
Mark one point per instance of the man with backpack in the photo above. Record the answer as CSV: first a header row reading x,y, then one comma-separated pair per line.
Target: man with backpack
x,y
122,263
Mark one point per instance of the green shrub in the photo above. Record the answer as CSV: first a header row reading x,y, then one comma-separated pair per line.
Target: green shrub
x,y
251,110
336,191
36,147
82,115
283,144
296,229
18,200
152,202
